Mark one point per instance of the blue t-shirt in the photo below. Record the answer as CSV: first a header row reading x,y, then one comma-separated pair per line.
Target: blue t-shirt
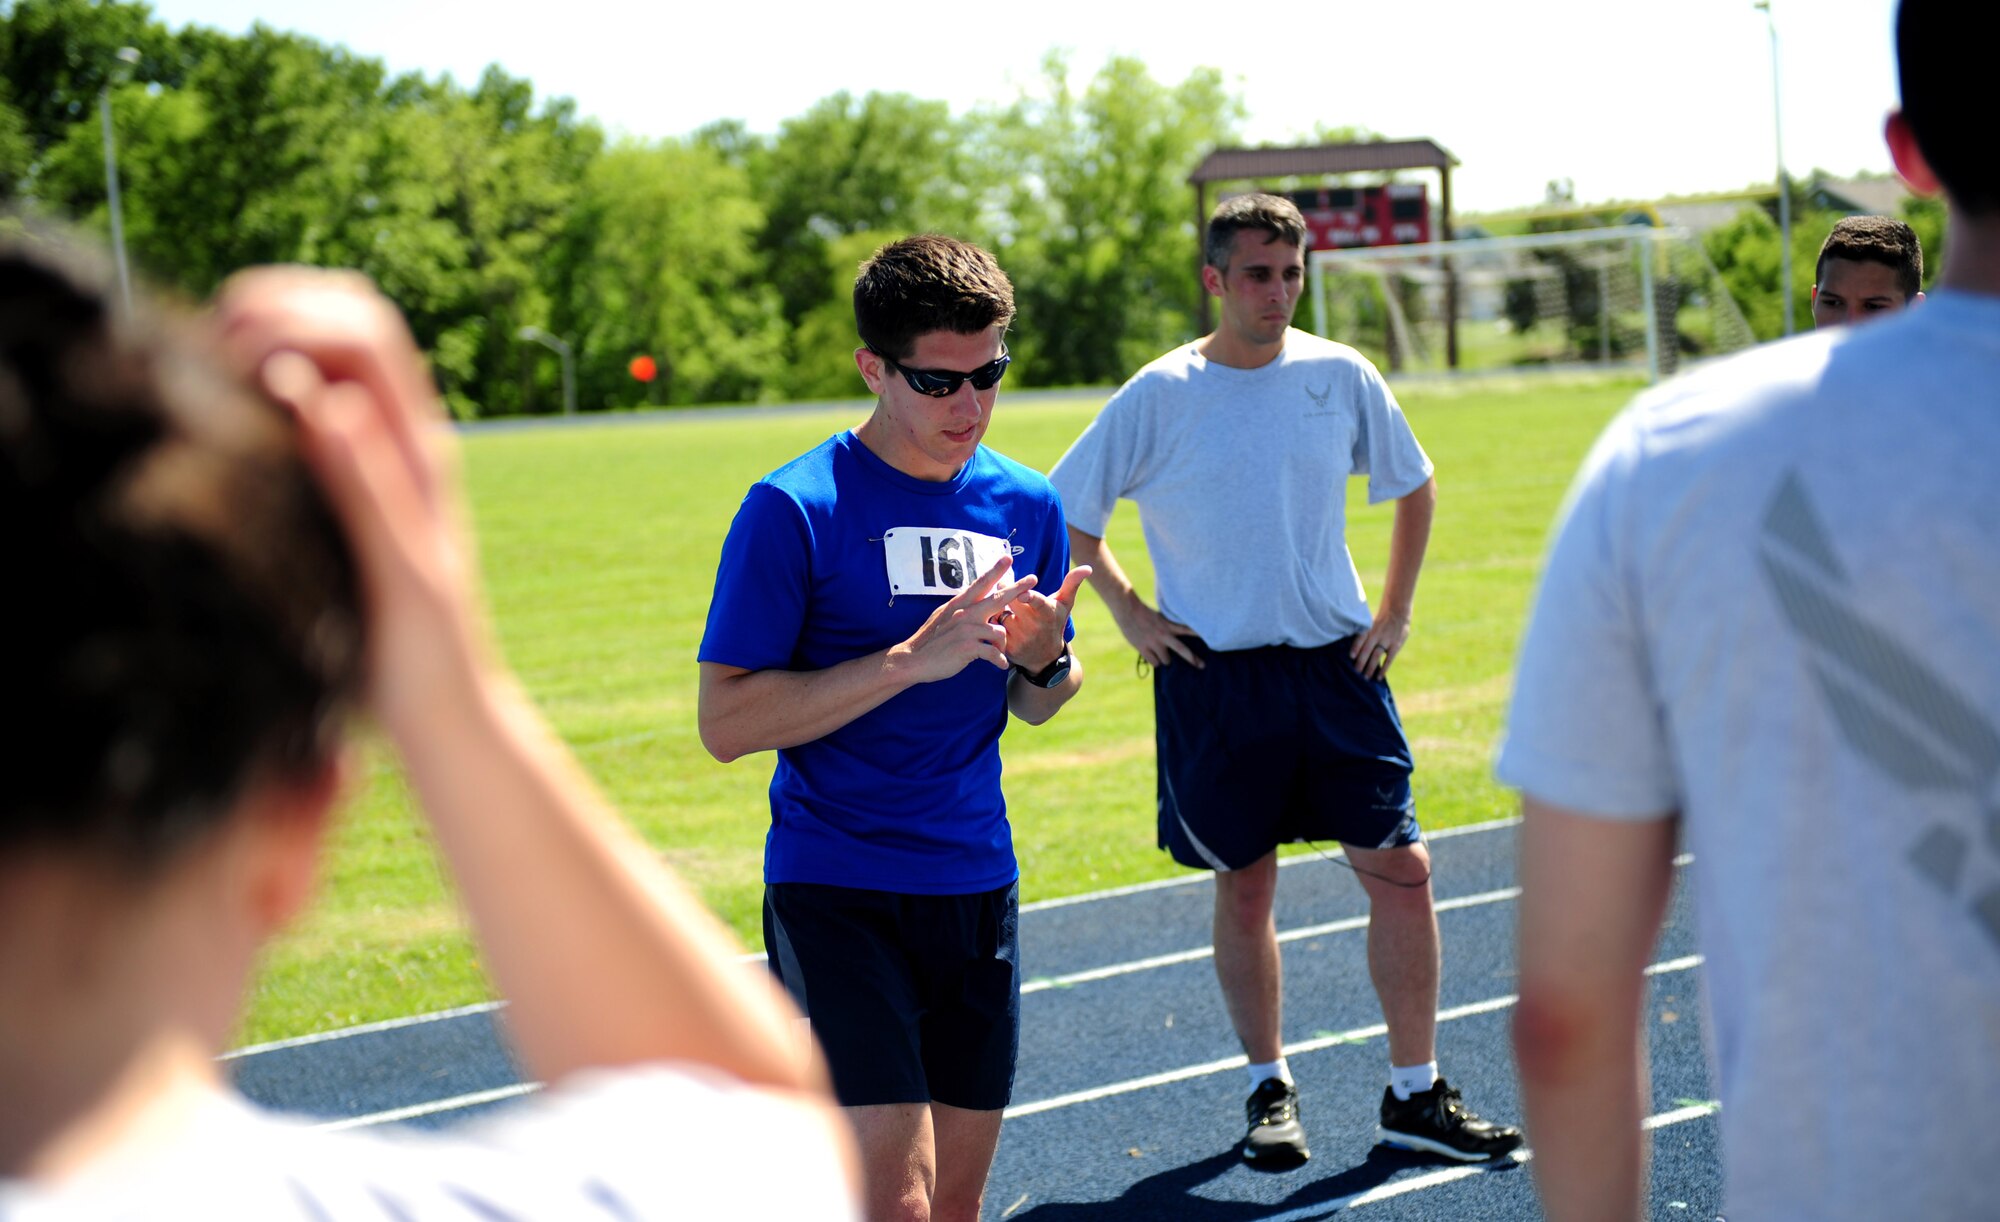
x,y
836,555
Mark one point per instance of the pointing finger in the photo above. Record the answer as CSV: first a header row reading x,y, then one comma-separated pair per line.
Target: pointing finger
x,y
1007,594
983,585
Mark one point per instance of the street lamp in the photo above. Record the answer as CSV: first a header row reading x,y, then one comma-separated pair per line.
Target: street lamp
x,y
560,348
1784,180
129,56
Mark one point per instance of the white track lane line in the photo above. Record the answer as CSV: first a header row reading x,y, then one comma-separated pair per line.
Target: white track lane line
x,y
1357,1035
1344,925
388,1024
320,1037
1437,1179
1126,1087
433,1108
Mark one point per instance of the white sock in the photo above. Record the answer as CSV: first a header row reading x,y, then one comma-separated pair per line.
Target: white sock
x,y
1412,1079
1263,1071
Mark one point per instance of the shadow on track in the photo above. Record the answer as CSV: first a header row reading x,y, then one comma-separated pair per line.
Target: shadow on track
x,y
1171,1193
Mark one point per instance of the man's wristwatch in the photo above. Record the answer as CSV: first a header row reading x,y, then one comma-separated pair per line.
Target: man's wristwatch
x,y
1051,675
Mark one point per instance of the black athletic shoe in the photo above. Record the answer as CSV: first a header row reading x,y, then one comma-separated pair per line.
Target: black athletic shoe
x,y
1437,1122
1276,1138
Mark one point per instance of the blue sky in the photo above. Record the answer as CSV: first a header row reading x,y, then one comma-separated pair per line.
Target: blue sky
x,y
1624,97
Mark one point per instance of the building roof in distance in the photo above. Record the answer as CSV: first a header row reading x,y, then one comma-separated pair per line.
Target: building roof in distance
x,y
1879,196
1229,165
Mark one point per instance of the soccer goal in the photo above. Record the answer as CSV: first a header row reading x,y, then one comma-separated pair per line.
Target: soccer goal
x,y
1630,295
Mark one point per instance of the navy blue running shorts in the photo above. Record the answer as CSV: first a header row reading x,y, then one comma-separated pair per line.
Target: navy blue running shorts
x,y
915,998
1267,746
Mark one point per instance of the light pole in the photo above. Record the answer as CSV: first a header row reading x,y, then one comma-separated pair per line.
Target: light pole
x,y
1784,180
560,348
129,56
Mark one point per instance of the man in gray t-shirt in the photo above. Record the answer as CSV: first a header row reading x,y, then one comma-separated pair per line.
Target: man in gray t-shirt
x,y
1770,627
1275,720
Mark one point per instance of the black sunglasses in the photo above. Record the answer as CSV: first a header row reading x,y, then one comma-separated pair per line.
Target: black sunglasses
x,y
938,383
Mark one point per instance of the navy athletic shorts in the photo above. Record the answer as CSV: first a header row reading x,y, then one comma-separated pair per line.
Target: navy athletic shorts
x,y
1271,745
914,998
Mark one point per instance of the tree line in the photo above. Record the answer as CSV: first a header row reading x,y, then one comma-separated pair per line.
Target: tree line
x,y
726,256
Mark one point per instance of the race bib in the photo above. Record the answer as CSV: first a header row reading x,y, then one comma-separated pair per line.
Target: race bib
x,y
938,560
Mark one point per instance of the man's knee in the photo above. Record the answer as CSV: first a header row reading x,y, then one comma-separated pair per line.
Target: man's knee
x,y
896,1190
1400,875
1244,896
957,1207
899,1160
898,1194
912,1205
966,1140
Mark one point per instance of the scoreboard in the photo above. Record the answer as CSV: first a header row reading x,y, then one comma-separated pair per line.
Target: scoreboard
x,y
1394,214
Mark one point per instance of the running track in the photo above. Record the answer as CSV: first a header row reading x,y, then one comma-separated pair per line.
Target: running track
x,y
1128,1103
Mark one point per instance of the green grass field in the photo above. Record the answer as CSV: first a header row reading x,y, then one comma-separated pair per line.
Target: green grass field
x,y
599,547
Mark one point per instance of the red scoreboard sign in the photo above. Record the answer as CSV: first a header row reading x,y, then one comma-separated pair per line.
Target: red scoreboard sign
x,y
1395,214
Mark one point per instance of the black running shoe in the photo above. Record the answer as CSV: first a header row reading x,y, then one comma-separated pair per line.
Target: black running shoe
x,y
1276,1138
1437,1122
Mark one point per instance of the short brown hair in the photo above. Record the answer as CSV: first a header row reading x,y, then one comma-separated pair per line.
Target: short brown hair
x,y
927,283
186,617
1876,239
1272,215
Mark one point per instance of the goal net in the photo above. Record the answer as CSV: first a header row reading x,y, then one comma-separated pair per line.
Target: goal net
x,y
1627,296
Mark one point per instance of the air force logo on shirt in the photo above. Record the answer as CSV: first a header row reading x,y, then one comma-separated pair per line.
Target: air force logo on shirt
x,y
939,559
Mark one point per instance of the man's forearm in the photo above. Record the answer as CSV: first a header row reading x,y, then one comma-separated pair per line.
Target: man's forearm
x,y
607,957
1584,1082
1593,894
1157,639
741,711
1036,705
1107,577
764,710
1409,538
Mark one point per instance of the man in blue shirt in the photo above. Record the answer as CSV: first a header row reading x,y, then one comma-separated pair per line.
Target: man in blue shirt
x,y
876,617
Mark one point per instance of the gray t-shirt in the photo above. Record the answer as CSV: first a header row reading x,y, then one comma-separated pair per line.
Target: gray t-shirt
x,y
1773,605
1240,476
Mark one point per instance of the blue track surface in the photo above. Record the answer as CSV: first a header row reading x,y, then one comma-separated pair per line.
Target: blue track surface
x,y
1128,1103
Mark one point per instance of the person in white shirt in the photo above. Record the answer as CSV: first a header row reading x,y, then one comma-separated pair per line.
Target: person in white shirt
x,y
1770,627
1270,670
225,536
